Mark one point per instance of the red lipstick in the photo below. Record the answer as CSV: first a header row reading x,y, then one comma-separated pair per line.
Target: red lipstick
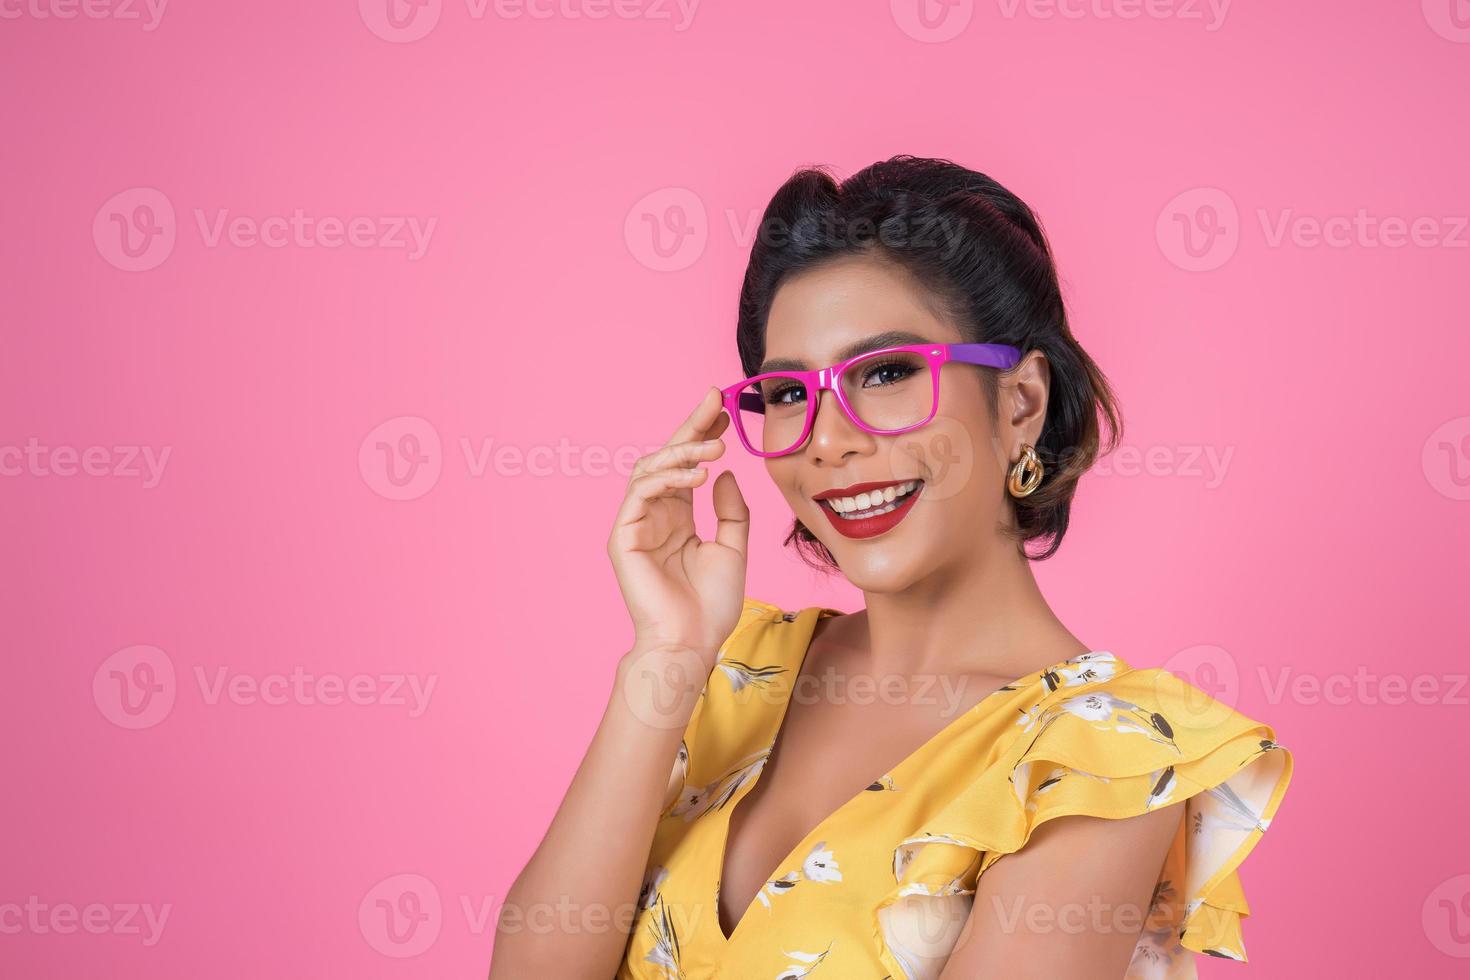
x,y
867,527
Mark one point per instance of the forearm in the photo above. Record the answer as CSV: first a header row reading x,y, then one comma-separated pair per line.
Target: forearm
x,y
569,911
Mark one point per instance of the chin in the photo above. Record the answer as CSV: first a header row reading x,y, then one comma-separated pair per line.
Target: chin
x,y
873,567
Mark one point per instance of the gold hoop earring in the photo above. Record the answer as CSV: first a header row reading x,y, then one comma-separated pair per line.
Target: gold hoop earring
x,y
1026,473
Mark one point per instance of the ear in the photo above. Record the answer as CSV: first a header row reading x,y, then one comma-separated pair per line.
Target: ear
x,y
1024,390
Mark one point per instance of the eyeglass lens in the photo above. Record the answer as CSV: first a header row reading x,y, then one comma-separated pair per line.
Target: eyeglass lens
x,y
886,391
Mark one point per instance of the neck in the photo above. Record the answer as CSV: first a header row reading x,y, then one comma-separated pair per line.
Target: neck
x,y
983,617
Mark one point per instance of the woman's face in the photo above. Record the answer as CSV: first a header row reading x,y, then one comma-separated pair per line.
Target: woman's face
x,y
961,457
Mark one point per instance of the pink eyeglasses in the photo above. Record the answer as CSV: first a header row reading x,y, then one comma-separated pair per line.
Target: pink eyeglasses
x,y
884,392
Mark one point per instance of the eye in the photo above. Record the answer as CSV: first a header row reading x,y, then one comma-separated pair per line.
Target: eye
x,y
886,373
786,393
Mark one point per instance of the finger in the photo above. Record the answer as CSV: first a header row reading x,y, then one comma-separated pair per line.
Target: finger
x,y
645,489
721,423
700,419
684,454
731,513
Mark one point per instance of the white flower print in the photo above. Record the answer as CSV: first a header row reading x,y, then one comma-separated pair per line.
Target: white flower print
x,y
1020,778
1089,668
742,674
1110,713
1097,706
678,775
1021,781
652,879
904,853
819,866
665,950
697,802
1229,812
1030,717
806,963
903,856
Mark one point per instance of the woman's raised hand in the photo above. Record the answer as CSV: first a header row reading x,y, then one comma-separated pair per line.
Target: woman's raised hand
x,y
681,592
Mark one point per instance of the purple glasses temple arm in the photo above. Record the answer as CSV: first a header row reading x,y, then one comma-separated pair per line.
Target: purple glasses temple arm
x,y
751,402
1002,356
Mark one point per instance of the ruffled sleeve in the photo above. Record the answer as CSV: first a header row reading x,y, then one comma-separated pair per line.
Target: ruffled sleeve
x,y
1125,744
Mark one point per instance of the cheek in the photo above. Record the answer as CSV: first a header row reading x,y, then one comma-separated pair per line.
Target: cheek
x,y
955,454
783,472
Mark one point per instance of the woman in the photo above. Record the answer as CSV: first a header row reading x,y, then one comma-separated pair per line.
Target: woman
x,y
948,783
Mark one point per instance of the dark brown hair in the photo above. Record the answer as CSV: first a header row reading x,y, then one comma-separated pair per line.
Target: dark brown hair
x,y
981,253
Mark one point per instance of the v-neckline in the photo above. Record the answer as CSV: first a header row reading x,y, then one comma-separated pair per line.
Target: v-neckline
x,y
808,618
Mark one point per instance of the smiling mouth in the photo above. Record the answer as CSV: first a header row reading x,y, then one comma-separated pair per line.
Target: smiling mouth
x,y
872,503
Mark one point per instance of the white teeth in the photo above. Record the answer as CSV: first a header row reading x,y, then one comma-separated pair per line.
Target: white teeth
x,y
871,503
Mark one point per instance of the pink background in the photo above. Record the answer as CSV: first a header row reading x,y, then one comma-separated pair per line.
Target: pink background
x,y
1328,381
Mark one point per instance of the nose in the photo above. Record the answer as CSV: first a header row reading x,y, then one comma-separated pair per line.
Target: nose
x,y
834,436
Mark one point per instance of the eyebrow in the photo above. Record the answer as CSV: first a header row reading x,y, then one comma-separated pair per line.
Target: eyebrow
x,y
878,341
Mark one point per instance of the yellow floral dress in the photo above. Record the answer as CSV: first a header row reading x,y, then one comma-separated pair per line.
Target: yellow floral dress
x,y
859,896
